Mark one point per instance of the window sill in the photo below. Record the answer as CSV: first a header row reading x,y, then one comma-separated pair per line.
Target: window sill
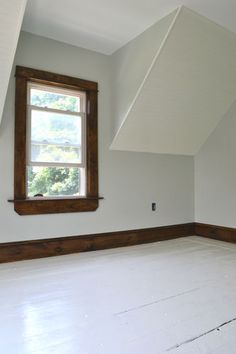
x,y
55,205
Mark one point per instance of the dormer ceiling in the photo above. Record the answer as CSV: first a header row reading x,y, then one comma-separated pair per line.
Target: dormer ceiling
x,y
187,86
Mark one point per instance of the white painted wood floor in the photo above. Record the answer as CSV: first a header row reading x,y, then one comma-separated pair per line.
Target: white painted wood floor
x,y
176,296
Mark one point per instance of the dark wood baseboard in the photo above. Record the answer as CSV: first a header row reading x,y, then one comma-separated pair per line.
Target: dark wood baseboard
x,y
220,233
24,250
16,251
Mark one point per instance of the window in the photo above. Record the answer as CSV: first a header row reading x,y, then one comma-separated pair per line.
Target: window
x,y
56,167
56,144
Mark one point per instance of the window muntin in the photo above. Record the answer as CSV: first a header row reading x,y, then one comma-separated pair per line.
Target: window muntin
x,y
56,142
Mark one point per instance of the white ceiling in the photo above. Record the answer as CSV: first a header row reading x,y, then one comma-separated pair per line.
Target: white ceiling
x,y
106,25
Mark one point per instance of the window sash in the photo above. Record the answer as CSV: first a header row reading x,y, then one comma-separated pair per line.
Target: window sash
x,y
37,142
54,164
82,146
56,110
58,90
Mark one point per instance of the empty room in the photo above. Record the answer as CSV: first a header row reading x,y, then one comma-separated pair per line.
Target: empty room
x,y
118,177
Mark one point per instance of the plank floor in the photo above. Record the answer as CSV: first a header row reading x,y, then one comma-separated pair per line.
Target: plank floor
x,y
176,296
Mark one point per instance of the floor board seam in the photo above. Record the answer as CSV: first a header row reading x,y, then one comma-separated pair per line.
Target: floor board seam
x,y
156,302
201,335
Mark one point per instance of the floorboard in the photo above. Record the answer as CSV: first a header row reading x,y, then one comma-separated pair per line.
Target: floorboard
x,y
176,296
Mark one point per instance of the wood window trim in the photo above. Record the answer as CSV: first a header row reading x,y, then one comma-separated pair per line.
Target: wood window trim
x,y
30,206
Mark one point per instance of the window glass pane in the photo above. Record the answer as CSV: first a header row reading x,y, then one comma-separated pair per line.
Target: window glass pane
x,y
55,128
55,153
55,181
54,100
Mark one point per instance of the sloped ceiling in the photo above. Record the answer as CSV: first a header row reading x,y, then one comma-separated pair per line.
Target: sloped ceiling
x,y
11,16
107,25
188,87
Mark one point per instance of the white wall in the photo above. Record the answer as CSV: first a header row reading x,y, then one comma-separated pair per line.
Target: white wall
x,y
130,65
187,89
215,175
128,181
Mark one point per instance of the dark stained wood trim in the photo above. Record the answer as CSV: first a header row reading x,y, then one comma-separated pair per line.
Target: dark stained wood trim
x,y
16,251
24,250
220,233
24,206
20,138
49,78
54,206
92,146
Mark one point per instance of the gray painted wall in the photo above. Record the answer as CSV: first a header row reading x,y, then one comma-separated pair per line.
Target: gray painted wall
x,y
128,181
215,175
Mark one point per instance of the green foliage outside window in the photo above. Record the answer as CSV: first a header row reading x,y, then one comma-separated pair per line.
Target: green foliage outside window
x,y
53,181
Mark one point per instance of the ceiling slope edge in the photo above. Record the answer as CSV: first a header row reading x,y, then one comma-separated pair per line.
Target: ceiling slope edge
x,y
11,17
177,11
189,86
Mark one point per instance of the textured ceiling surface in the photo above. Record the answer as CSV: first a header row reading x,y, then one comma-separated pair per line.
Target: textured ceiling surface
x,y
106,25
